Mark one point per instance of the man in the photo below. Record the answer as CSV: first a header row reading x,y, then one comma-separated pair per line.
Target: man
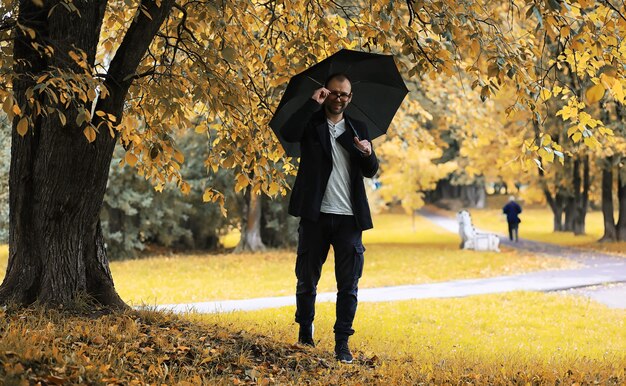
x,y
329,197
512,210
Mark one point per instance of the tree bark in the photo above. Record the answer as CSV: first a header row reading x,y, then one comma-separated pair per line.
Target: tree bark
x,y
251,228
621,199
582,198
555,202
557,212
573,199
610,230
57,178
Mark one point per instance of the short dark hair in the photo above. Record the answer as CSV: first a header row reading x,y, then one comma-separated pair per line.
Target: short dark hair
x,y
340,76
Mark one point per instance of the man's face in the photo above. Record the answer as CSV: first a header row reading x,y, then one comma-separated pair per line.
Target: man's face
x,y
339,97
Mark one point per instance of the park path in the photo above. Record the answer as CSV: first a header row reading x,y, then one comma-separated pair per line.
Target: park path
x,y
591,279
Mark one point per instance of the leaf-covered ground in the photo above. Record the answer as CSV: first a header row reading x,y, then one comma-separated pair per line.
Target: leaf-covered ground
x,y
142,348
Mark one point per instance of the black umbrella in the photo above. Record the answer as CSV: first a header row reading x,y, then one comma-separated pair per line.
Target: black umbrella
x,y
377,87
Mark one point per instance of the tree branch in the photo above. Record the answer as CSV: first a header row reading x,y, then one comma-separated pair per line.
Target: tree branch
x,y
140,34
607,2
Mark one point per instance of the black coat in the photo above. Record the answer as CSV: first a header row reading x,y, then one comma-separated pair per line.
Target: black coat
x,y
512,209
309,126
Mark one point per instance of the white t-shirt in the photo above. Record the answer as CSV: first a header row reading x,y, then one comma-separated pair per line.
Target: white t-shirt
x,y
337,196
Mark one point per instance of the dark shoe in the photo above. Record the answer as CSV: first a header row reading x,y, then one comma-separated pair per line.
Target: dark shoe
x,y
342,352
305,336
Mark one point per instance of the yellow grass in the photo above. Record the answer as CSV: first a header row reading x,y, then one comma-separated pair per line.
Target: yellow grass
x,y
217,277
537,224
4,257
396,255
521,336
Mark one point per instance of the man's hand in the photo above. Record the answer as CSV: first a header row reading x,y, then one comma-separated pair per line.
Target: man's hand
x,y
320,95
363,146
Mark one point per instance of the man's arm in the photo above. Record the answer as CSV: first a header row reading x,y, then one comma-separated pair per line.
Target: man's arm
x,y
369,164
368,161
293,130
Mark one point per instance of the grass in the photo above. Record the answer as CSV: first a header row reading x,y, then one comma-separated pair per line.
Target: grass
x,y
193,278
504,338
532,325
395,255
4,257
537,224
400,251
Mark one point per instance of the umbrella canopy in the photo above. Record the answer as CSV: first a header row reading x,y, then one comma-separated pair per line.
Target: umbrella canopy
x,y
377,88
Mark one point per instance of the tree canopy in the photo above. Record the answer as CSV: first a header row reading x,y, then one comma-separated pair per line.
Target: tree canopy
x,y
222,64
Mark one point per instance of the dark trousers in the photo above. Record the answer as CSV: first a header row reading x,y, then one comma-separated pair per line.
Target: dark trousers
x,y
513,230
314,241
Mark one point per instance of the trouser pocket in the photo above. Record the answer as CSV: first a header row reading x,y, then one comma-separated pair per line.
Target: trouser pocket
x,y
359,260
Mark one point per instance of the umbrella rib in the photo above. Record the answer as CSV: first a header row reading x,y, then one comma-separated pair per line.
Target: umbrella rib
x,y
314,80
366,115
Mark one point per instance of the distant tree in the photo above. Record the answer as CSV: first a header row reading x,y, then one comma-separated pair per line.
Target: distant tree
x,y
135,215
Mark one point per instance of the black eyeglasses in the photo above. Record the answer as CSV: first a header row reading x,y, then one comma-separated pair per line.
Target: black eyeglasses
x,y
342,96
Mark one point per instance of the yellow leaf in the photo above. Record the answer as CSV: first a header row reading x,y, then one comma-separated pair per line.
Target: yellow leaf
x,y
16,110
242,182
178,156
207,196
229,162
572,130
22,126
62,118
185,188
131,159
91,94
202,128
618,92
8,105
591,142
273,189
90,134
108,46
576,137
545,94
74,56
475,47
594,93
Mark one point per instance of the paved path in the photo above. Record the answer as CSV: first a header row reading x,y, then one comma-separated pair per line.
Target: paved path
x,y
598,269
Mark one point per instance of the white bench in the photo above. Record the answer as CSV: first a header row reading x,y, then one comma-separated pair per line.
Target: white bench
x,y
470,239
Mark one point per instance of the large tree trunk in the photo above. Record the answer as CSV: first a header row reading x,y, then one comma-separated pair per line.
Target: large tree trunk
x,y
57,178
251,227
610,231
